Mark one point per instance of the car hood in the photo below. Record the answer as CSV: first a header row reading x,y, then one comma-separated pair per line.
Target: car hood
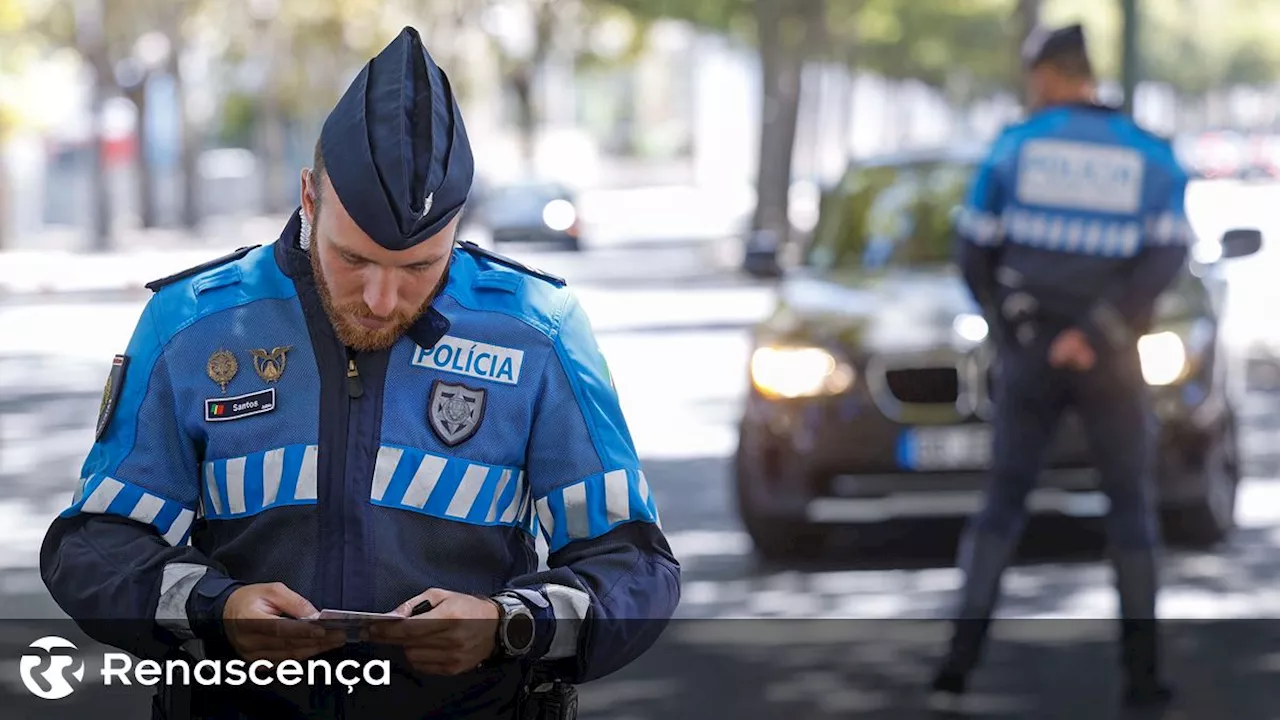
x,y
896,311
1252,297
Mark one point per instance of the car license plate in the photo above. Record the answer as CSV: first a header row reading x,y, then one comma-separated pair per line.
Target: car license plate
x,y
963,447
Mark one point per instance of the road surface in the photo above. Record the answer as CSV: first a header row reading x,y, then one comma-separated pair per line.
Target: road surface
x,y
753,640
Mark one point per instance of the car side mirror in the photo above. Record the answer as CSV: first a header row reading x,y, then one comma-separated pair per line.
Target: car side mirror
x,y
1241,242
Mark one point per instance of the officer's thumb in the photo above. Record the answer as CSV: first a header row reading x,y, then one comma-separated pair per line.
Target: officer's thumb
x,y
289,602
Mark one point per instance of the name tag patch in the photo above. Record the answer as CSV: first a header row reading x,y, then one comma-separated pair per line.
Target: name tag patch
x,y
234,408
473,359
1080,176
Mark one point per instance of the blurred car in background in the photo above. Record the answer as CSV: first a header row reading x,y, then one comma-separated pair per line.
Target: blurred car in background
x,y
1228,154
525,212
871,382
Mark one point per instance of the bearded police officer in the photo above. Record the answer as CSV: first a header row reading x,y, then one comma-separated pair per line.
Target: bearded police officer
x,y
365,415
1073,228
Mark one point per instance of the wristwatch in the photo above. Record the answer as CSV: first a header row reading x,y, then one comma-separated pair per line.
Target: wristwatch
x,y
515,627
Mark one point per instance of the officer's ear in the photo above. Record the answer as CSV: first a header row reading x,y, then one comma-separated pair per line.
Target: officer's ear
x,y
310,206
306,216
308,194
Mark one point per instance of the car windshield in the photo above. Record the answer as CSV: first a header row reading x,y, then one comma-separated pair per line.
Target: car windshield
x,y
533,194
518,204
889,216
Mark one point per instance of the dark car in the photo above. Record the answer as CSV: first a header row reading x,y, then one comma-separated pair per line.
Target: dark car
x,y
527,212
870,382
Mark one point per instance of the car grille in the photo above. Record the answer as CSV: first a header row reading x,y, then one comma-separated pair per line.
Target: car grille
x,y
513,235
993,377
924,386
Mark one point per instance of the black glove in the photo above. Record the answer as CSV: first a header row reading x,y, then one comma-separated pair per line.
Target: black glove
x,y
1018,311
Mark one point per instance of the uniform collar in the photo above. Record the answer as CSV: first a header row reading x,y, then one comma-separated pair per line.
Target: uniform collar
x,y
294,262
1094,105
1079,105
427,330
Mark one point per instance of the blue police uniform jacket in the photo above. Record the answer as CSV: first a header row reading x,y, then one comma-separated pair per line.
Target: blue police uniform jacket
x,y
1075,218
243,444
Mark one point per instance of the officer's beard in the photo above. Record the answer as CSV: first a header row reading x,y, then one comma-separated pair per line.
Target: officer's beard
x,y
344,318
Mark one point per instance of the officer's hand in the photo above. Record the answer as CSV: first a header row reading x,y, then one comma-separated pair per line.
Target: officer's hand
x,y
1071,350
260,625
455,636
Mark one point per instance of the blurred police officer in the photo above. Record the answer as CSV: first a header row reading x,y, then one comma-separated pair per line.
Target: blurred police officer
x,y
1073,227
362,416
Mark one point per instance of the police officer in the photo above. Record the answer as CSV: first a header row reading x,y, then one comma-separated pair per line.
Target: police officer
x,y
1073,227
365,415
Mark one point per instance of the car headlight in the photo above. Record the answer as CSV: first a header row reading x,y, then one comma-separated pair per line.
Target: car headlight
x,y
794,372
1164,358
970,327
559,215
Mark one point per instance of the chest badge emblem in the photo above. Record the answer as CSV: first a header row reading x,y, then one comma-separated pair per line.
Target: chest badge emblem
x,y
270,365
222,366
455,412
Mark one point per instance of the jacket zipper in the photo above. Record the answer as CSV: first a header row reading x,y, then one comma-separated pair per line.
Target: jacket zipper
x,y
354,387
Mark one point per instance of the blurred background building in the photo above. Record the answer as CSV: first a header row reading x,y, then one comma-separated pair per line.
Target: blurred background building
x,y
142,137
204,109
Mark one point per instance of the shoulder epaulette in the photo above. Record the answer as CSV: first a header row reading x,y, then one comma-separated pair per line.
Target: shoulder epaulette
x,y
1152,134
155,285
1014,125
475,249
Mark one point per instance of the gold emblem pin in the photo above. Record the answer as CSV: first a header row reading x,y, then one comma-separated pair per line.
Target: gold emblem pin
x,y
270,365
106,396
222,367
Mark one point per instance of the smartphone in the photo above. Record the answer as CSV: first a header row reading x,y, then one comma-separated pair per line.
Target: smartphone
x,y
351,618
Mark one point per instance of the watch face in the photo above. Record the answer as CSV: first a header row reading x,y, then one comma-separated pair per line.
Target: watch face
x,y
520,632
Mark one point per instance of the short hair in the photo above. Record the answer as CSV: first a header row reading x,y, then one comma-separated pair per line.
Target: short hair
x,y
318,176
1073,63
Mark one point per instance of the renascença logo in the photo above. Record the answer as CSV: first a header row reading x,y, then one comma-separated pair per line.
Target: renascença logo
x,y
50,683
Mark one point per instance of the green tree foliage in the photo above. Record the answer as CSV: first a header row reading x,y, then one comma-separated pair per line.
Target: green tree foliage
x,y
1193,45
936,43
300,51
922,40
554,28
17,48
731,16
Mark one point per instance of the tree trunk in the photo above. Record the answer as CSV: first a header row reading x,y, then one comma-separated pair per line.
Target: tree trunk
x,y
6,210
787,30
889,112
100,213
1130,57
272,131
91,43
524,81
527,114
271,141
847,95
191,142
271,153
146,172
1026,18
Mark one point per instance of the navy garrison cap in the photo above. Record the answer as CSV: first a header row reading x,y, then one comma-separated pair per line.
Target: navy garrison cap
x,y
395,148
1044,45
